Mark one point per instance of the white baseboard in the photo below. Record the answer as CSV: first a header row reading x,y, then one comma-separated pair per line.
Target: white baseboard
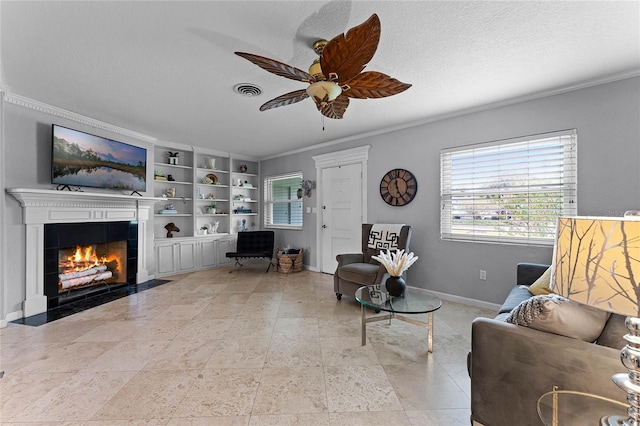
x,y
464,300
12,316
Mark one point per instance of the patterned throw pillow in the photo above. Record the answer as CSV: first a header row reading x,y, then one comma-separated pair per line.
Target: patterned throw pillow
x,y
555,314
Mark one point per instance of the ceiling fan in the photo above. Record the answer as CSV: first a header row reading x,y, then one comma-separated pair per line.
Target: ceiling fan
x,y
337,74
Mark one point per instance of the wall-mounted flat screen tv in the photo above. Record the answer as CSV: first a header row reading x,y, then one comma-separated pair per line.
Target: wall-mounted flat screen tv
x,y
82,159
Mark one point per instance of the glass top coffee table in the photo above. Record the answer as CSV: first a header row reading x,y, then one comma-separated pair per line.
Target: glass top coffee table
x,y
413,302
573,408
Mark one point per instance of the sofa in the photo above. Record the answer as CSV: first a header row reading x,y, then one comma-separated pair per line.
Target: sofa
x,y
511,366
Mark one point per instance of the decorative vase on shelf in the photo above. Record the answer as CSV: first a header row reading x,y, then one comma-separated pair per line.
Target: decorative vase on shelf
x,y
211,163
395,286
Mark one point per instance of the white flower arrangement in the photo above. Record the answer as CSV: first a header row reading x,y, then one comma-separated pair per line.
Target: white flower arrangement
x,y
396,262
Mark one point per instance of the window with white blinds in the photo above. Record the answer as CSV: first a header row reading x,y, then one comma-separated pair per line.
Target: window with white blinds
x,y
282,206
509,191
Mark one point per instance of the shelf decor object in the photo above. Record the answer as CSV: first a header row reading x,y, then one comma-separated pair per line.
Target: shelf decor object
x,y
596,262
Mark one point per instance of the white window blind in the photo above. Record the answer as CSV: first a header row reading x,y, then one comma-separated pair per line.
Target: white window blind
x,y
509,191
282,207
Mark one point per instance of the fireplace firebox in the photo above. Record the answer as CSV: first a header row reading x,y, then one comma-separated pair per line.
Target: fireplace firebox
x,y
85,259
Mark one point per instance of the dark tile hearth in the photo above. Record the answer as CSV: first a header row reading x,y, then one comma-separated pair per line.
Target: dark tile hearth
x,y
88,302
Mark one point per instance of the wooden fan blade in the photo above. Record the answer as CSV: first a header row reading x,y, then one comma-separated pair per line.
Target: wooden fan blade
x,y
335,109
347,55
373,84
286,99
277,67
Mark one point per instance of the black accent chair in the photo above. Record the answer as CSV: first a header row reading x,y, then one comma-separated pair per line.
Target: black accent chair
x,y
253,245
358,269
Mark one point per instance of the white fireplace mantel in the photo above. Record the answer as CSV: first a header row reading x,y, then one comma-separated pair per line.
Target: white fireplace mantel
x,y
45,206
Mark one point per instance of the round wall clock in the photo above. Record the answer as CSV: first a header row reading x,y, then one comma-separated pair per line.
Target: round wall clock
x,y
398,187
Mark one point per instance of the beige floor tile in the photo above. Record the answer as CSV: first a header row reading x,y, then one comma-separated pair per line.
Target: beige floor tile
x,y
360,388
239,353
221,392
68,358
18,391
251,328
438,417
15,356
110,331
339,326
212,329
127,356
294,352
420,388
183,355
17,333
209,421
371,418
179,312
290,420
296,327
149,394
77,398
300,308
158,330
341,351
291,391
129,422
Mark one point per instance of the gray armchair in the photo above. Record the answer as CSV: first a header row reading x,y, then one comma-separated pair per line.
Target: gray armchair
x,y
358,269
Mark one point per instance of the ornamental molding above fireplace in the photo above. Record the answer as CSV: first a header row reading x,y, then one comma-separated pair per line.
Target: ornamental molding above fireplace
x,y
46,206
52,206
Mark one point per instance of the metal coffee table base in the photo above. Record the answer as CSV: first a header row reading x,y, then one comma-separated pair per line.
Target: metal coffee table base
x,y
428,325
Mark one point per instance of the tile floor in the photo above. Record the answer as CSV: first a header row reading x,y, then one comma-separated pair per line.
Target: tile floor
x,y
248,348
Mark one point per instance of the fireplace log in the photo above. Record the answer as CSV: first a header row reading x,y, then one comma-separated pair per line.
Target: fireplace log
x,y
77,274
89,279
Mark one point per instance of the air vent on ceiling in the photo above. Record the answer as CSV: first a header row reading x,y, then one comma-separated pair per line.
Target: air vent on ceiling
x,y
247,89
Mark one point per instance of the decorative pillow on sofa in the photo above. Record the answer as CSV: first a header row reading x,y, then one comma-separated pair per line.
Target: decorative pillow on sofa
x,y
555,314
541,285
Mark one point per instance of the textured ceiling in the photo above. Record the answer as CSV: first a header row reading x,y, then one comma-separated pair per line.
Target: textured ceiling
x,y
167,69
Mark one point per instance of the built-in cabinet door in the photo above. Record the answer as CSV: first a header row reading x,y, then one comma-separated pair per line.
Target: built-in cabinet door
x,y
165,259
187,255
225,245
207,253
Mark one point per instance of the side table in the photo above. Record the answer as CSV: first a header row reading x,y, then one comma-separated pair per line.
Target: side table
x,y
574,408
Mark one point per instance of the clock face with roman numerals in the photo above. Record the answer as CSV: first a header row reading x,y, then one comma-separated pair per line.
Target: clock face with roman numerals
x,y
398,187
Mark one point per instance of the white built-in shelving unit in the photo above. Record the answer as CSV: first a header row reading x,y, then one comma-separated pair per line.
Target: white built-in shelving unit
x,y
200,180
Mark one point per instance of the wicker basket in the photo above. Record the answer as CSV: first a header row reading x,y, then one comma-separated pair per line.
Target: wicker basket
x,y
290,263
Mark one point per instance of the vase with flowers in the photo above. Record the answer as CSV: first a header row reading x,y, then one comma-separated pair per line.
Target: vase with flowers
x,y
396,263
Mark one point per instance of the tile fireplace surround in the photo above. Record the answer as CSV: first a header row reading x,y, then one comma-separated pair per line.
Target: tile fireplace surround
x,y
44,206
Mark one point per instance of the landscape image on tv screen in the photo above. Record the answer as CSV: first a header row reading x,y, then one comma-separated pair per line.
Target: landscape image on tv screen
x,y
82,159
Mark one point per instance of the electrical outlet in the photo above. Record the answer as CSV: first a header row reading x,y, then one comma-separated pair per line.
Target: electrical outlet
x,y
483,275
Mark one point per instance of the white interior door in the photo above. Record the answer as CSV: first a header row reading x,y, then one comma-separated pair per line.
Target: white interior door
x,y
341,218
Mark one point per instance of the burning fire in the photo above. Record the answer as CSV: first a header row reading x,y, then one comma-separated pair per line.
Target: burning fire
x,y
84,267
83,258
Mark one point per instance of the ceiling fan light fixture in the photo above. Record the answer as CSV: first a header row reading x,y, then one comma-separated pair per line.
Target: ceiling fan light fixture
x,y
324,92
316,70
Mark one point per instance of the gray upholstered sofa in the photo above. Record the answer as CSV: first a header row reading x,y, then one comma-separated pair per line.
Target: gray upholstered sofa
x,y
511,366
358,269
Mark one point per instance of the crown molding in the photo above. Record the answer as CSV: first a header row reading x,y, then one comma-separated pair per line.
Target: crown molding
x,y
493,105
25,102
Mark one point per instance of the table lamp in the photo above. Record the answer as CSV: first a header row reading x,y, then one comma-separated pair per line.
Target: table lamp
x,y
596,261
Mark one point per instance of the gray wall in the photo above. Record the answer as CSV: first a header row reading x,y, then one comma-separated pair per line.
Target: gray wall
x,y
607,118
